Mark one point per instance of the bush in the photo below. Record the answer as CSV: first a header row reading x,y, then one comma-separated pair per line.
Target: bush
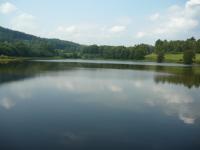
x,y
160,57
188,57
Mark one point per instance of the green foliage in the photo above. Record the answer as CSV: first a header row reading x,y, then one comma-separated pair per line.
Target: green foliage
x,y
116,52
160,57
198,46
188,57
160,49
189,52
188,47
14,43
177,46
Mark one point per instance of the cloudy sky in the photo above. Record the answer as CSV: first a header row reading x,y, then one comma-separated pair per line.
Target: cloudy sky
x,y
104,22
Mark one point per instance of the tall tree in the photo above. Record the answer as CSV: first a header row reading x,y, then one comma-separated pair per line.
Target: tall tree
x,y
160,48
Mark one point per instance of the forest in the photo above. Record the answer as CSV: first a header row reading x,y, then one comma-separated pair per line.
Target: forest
x,y
14,43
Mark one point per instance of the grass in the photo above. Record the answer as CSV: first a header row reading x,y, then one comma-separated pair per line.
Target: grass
x,y
8,59
176,58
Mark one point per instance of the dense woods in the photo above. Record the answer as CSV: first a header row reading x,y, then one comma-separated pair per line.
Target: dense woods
x,y
14,43
188,47
137,52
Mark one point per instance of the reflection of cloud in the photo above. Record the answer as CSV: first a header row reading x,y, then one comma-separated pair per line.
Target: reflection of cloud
x,y
21,91
173,102
7,103
115,88
66,85
187,120
15,92
132,92
83,85
172,97
70,137
138,83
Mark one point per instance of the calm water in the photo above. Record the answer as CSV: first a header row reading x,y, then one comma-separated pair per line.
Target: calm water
x,y
64,105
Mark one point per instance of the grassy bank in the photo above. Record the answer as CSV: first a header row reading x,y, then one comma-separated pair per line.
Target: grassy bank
x,y
171,58
7,59
175,58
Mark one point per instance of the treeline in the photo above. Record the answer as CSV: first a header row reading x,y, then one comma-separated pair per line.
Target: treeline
x,y
34,49
14,43
137,52
188,47
177,46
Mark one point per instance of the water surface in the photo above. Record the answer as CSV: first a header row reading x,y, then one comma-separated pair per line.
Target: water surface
x,y
109,105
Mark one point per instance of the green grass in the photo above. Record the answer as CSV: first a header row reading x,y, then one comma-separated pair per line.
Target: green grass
x,y
176,58
8,59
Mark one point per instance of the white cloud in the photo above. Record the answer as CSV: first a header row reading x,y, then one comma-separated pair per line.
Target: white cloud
x,y
68,29
192,3
117,29
7,8
25,22
78,32
124,20
177,24
177,20
140,34
88,33
154,17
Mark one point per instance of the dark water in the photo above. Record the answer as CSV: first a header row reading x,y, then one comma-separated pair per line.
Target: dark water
x,y
99,106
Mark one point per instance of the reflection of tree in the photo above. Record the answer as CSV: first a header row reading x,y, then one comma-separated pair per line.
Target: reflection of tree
x,y
187,76
20,71
186,80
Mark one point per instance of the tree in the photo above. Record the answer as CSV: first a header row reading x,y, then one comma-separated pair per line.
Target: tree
x,y
189,50
188,56
160,57
160,48
21,49
198,46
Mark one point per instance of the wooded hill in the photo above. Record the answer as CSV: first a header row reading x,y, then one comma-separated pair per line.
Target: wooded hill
x,y
14,43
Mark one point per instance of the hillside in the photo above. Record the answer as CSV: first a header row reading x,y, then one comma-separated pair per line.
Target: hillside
x,y
34,42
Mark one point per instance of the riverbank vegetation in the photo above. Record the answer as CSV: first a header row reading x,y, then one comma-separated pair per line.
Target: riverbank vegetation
x,y
17,44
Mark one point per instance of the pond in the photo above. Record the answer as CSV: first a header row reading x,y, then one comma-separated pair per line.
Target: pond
x,y
74,104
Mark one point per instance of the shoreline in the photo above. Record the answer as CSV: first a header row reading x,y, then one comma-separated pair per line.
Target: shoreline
x,y
169,58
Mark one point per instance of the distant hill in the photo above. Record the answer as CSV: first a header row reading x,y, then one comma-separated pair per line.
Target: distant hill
x,y
16,36
15,43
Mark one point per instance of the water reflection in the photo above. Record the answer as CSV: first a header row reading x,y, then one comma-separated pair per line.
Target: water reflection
x,y
189,81
112,86
7,103
76,106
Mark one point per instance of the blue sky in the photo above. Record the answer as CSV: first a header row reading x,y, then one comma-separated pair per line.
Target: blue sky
x,y
104,22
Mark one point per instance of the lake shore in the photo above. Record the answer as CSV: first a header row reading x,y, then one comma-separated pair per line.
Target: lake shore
x,y
7,59
169,58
